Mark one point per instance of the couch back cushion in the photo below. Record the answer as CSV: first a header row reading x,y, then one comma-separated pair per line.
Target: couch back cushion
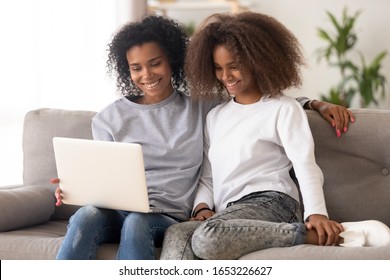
x,y
40,126
355,166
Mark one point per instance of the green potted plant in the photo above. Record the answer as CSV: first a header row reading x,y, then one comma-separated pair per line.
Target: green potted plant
x,y
364,79
189,28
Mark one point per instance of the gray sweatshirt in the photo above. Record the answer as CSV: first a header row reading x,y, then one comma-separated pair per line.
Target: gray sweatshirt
x,y
171,135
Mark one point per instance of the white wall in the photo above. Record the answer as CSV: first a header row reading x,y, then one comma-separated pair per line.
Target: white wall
x,y
52,54
303,17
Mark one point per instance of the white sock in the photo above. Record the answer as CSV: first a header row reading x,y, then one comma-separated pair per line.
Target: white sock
x,y
368,233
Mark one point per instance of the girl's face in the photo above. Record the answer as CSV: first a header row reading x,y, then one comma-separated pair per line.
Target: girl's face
x,y
150,70
237,80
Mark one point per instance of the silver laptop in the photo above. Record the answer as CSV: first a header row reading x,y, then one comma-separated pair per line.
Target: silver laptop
x,y
104,174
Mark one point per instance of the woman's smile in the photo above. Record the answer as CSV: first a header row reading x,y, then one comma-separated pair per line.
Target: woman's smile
x,y
150,85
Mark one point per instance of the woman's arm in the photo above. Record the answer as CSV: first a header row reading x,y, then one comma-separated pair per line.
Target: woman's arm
x,y
338,116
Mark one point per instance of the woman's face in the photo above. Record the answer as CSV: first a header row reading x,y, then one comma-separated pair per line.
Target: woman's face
x,y
150,70
237,80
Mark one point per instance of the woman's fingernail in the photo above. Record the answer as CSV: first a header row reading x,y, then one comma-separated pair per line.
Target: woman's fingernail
x,y
338,133
55,181
345,129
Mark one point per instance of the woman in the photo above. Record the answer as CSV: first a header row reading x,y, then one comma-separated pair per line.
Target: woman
x,y
155,111
252,141
147,58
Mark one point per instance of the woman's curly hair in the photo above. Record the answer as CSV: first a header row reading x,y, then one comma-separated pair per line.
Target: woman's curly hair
x,y
259,42
168,34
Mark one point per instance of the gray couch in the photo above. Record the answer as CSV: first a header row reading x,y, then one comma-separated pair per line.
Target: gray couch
x,y
356,169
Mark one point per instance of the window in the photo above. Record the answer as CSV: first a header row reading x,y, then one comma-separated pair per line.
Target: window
x,y
52,54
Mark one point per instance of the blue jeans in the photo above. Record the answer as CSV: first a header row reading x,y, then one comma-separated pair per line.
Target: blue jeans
x,y
255,222
137,233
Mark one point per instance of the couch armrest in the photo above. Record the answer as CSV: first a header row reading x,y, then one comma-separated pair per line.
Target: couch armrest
x,y
25,206
7,187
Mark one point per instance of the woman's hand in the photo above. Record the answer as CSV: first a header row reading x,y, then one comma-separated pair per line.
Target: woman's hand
x,y
202,212
338,116
58,192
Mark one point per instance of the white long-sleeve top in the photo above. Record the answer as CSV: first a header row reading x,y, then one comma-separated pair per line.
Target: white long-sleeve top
x,y
251,148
